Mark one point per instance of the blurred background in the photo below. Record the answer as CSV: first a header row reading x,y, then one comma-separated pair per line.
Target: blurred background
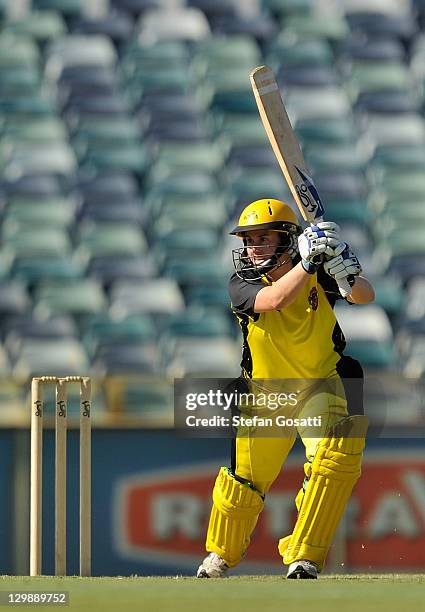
x,y
129,143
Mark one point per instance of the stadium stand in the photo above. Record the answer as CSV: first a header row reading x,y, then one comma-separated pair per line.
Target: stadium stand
x,y
129,142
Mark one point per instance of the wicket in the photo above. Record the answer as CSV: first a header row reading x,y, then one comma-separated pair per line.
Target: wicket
x,y
37,409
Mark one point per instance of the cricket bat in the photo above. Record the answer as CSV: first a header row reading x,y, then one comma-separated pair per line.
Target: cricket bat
x,y
287,150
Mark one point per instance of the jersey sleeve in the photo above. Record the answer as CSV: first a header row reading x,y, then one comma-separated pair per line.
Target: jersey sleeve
x,y
243,294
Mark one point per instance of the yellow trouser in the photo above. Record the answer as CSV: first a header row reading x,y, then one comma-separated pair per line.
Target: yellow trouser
x,y
259,461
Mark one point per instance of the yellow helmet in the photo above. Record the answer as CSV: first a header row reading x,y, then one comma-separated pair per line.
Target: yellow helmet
x,y
266,214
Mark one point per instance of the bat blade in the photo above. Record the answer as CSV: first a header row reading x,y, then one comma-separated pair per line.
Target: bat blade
x,y
287,150
285,144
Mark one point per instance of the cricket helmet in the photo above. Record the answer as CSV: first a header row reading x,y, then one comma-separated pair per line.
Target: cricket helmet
x,y
270,215
266,214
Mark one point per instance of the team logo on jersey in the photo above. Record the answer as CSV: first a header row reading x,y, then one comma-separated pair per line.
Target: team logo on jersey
x,y
313,298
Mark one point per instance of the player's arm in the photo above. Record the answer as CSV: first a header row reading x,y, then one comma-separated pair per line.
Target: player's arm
x,y
313,243
362,292
345,265
282,292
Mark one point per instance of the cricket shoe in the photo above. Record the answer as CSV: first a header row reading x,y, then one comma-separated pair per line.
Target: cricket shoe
x,y
212,566
301,570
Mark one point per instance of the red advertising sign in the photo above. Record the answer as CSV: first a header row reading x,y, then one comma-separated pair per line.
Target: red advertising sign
x,y
162,516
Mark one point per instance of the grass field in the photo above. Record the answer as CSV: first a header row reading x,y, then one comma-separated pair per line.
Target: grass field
x,y
389,593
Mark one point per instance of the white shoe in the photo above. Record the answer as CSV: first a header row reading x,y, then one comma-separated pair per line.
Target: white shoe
x,y
302,570
212,566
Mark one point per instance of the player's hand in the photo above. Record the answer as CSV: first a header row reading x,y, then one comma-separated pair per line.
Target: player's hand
x,y
317,240
343,265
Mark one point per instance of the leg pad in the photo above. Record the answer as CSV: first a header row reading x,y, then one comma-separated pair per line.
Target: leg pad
x,y
335,469
234,515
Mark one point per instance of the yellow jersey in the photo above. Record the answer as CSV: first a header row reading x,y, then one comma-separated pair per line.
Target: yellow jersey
x,y
302,340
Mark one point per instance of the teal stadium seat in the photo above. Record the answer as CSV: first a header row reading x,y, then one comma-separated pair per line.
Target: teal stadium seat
x,y
332,27
101,239
185,24
34,270
45,242
160,296
59,357
42,26
18,51
77,297
68,8
26,212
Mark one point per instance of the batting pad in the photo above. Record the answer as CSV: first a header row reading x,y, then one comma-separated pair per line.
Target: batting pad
x,y
233,517
335,469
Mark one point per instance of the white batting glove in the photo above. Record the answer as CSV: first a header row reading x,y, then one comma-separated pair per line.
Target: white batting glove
x,y
316,241
343,265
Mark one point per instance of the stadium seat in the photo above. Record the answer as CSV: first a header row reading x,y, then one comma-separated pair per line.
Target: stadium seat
x,y
370,337
25,326
110,212
306,76
68,8
251,156
207,295
55,212
316,25
35,269
42,26
49,158
102,239
239,129
147,399
285,50
14,298
373,49
109,269
19,80
41,130
59,357
156,296
331,130
281,8
164,54
127,358
117,25
137,7
45,242
322,103
201,157
216,53
122,157
78,50
340,158
378,25
253,184
101,330
16,51
189,271
399,101
197,322
186,24
31,185
77,297
183,211
111,186
204,358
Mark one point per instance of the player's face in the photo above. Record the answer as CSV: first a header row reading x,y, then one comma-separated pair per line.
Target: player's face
x,y
261,245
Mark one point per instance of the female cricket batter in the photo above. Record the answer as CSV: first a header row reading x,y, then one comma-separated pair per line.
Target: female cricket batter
x,y
283,292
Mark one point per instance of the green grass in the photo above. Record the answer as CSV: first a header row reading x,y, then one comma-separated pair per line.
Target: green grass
x,y
362,593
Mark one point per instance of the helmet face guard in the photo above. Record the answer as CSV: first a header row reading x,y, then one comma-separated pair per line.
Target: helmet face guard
x,y
249,271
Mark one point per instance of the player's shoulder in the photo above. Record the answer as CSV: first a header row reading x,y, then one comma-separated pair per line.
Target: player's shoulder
x,y
237,283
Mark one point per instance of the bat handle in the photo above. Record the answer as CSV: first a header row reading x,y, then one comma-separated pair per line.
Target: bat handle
x,y
344,287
